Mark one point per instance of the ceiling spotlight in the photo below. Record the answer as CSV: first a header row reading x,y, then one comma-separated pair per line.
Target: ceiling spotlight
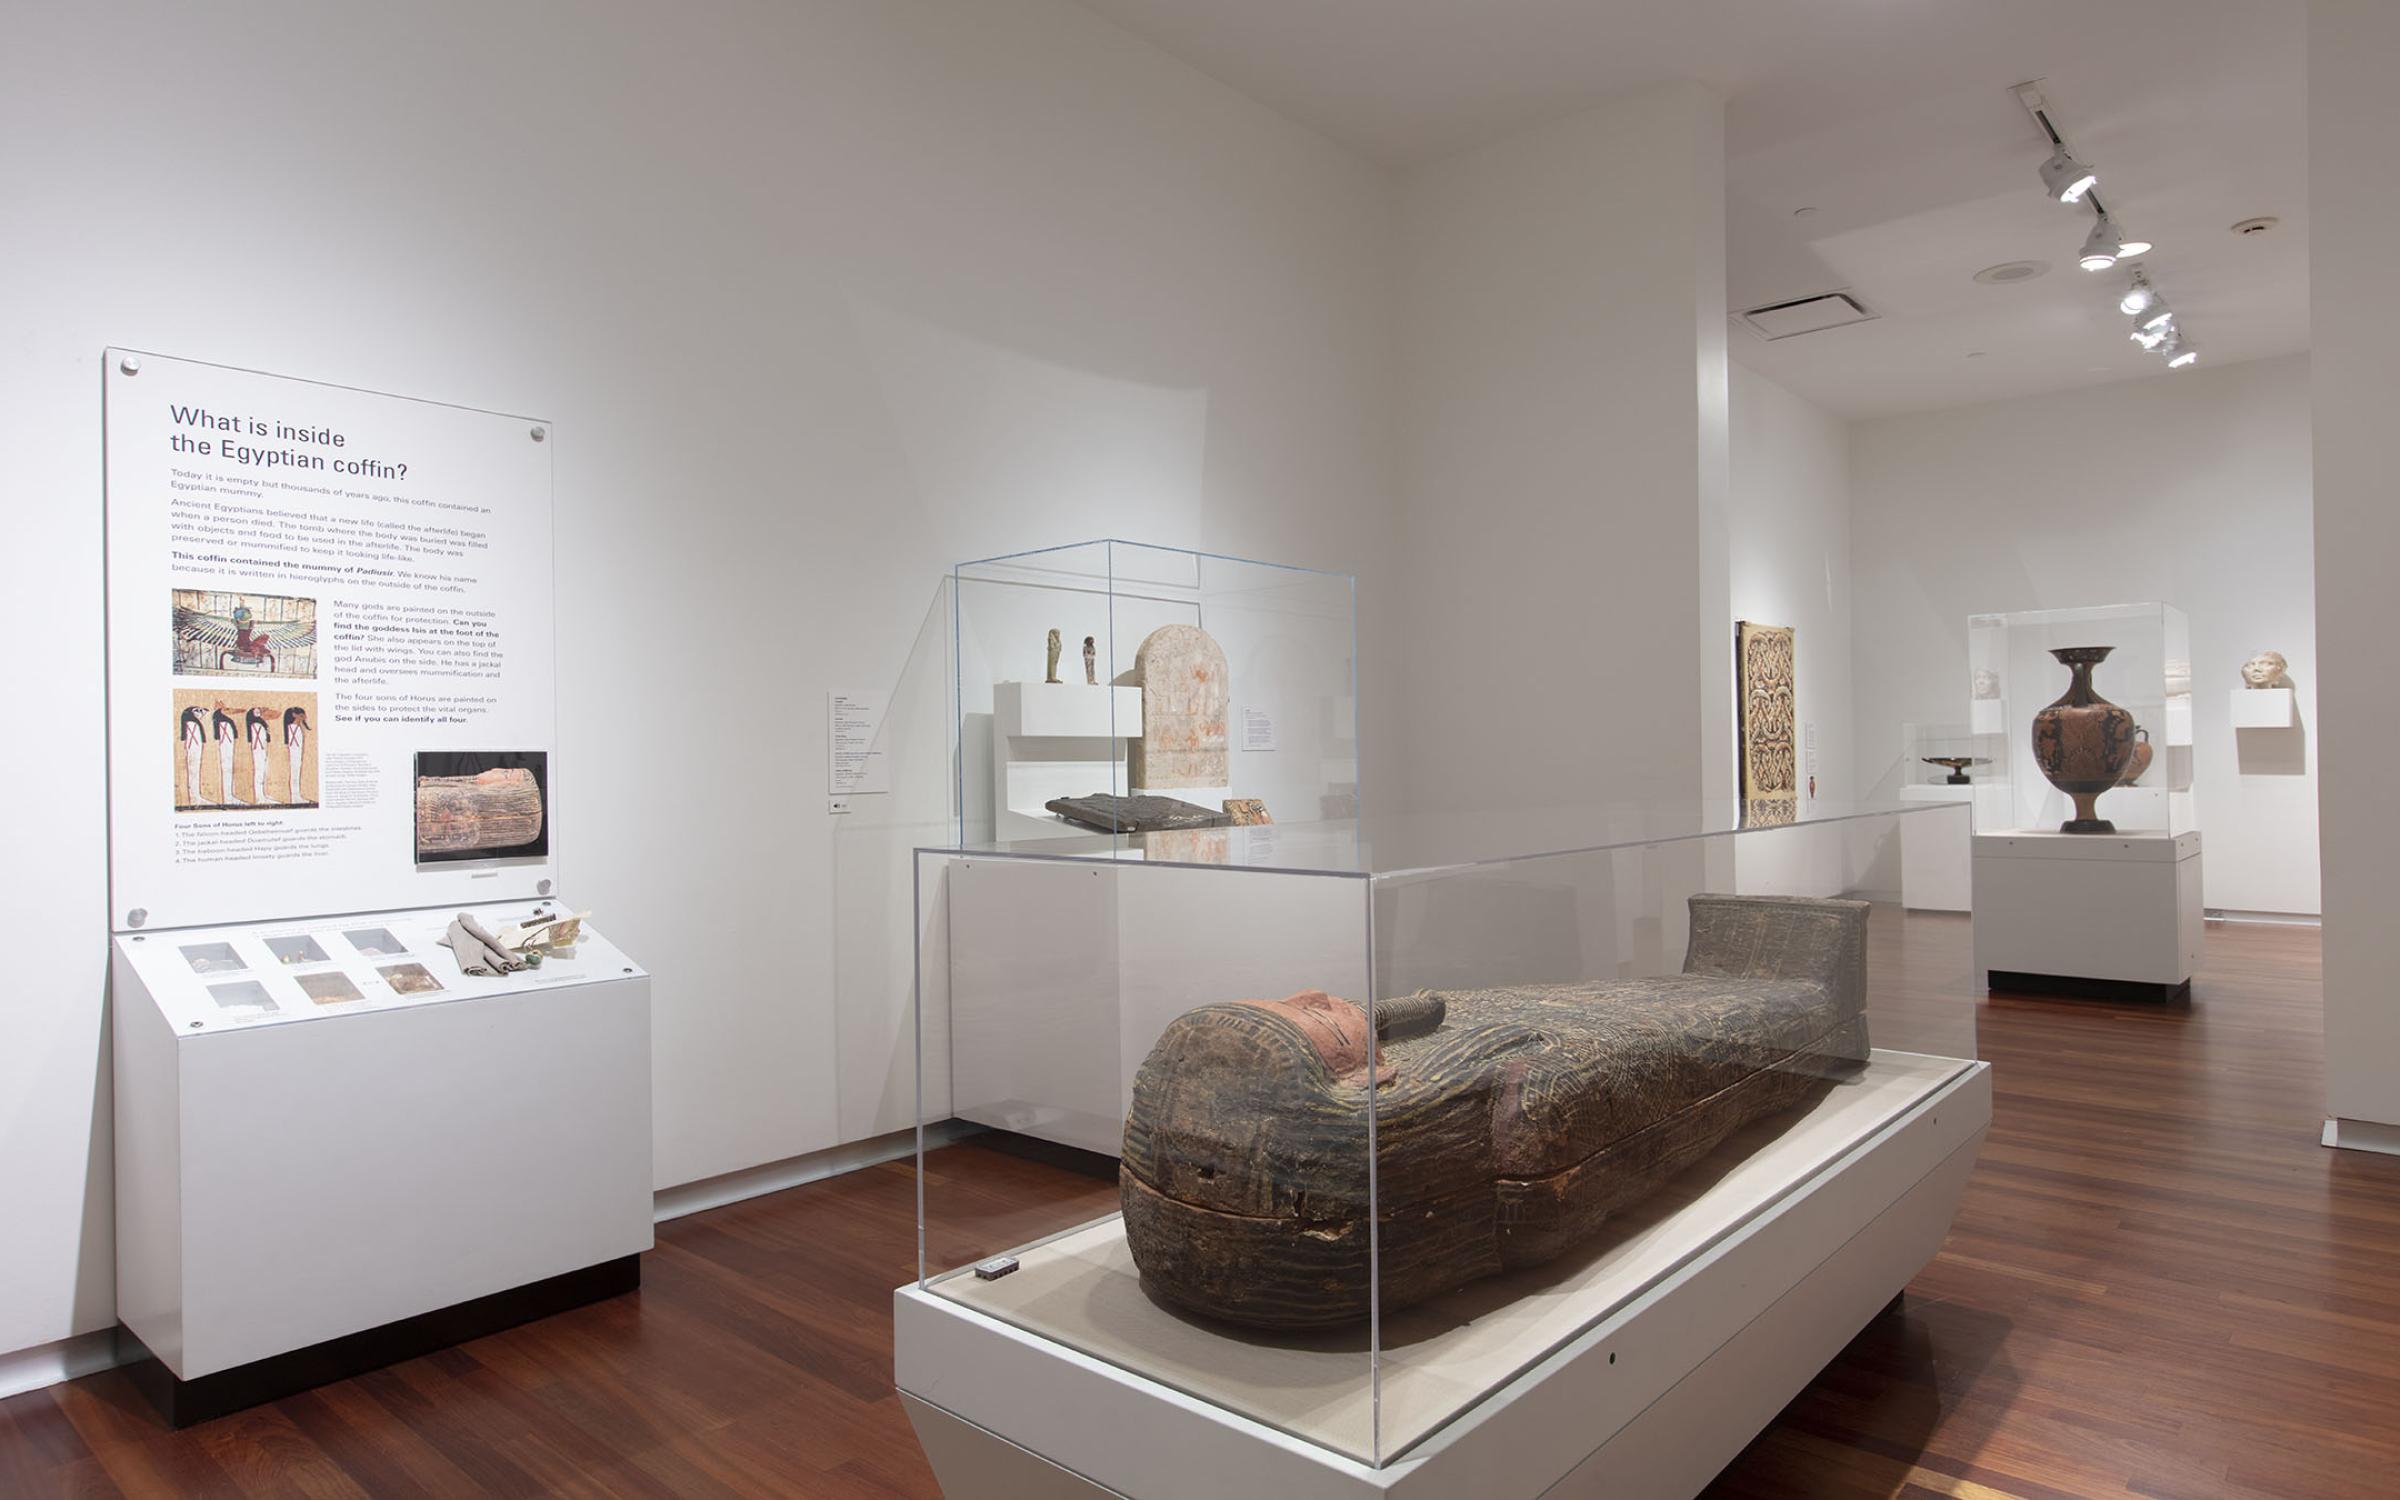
x,y
2107,244
2138,299
2156,316
2065,178
2155,336
2178,351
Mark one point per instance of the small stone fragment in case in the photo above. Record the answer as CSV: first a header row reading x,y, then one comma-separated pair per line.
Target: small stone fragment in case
x,y
995,1268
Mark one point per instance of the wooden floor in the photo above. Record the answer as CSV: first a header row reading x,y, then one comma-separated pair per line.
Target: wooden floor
x,y
2160,1285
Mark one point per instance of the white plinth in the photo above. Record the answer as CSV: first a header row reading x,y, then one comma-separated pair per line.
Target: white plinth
x,y
1052,740
2263,708
1936,871
1653,1362
289,1176
2115,908
1987,716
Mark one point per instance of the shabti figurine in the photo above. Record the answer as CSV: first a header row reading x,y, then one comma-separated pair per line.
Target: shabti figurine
x,y
1091,663
1052,675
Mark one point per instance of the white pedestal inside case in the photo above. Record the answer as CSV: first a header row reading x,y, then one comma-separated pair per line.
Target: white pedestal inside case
x,y
2112,916
2262,708
323,1164
1936,873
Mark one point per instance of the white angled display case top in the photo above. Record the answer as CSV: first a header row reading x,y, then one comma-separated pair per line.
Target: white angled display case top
x,y
2012,676
211,979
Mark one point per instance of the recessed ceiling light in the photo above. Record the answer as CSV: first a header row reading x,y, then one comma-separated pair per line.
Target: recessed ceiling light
x,y
2258,225
2011,270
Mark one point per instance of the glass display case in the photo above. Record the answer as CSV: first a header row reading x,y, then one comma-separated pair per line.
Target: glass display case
x,y
1375,1115
2138,656
1218,688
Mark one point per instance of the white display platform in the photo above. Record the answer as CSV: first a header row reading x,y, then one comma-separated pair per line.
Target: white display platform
x,y
291,1176
1936,868
2263,708
1056,739
2108,910
1639,1369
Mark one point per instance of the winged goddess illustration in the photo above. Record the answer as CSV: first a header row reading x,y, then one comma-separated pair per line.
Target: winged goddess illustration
x,y
239,642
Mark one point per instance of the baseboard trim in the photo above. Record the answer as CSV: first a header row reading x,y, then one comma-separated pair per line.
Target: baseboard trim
x,y
67,1359
204,1398
2362,1135
2266,918
2010,982
793,1171
84,1354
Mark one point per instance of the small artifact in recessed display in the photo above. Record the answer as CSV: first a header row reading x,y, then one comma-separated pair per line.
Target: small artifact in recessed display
x,y
2083,743
213,958
2266,670
1050,673
482,805
409,979
329,988
296,950
243,994
1091,663
1247,812
375,942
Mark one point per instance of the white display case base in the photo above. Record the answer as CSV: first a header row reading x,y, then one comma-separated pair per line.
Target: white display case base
x,y
2108,916
1652,1397
1936,869
327,1186
2263,708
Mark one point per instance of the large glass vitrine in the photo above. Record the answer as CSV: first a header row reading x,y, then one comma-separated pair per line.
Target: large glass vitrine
x,y
1375,1114
1252,700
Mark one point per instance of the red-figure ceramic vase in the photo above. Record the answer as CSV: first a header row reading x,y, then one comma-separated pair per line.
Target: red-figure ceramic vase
x,y
2083,743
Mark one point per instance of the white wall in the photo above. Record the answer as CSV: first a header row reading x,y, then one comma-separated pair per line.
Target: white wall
x,y
2354,198
1788,555
1562,438
2192,488
821,296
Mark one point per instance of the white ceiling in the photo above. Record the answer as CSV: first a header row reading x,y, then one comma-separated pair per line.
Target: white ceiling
x,y
1892,120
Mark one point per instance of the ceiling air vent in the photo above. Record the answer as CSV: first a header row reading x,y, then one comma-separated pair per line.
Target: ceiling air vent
x,y
1783,320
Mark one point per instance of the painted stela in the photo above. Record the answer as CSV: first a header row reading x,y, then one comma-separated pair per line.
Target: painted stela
x,y
1184,696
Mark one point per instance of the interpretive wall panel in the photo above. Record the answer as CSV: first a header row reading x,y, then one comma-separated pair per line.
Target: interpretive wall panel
x,y
318,598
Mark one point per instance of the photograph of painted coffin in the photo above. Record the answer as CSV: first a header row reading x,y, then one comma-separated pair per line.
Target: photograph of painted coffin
x,y
1510,1123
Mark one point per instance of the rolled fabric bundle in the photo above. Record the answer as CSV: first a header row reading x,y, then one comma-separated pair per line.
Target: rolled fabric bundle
x,y
477,950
